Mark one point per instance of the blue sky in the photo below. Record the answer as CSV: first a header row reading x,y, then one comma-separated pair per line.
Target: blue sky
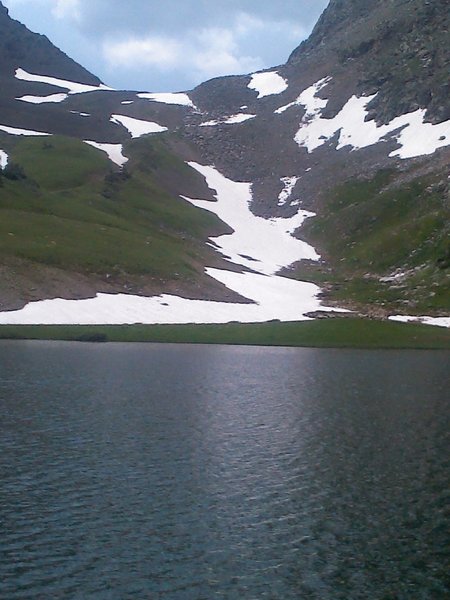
x,y
174,44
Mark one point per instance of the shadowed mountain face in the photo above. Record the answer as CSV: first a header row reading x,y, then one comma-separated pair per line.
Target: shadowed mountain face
x,y
355,127
19,47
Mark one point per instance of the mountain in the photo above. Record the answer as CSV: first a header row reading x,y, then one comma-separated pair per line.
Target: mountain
x,y
354,128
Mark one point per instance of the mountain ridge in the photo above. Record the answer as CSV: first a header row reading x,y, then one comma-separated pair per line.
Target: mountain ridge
x,y
259,128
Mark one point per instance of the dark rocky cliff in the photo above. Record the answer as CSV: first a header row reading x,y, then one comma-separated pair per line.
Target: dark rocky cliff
x,y
377,214
19,47
400,49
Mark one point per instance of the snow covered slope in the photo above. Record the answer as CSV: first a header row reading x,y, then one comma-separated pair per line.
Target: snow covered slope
x,y
319,170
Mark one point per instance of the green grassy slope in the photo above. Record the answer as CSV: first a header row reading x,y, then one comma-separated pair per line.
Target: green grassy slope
x,y
372,229
68,206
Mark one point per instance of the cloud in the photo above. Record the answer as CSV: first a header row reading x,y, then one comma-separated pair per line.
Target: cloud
x,y
67,9
217,52
171,45
161,52
208,51
59,9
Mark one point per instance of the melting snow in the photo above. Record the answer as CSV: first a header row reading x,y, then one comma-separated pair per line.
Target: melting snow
x,y
3,159
260,244
267,84
239,118
169,98
16,131
275,298
414,136
234,119
437,321
43,99
137,127
269,243
114,151
308,99
72,86
286,192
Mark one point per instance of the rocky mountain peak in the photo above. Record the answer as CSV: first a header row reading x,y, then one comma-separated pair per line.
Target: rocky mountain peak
x,y
21,48
395,48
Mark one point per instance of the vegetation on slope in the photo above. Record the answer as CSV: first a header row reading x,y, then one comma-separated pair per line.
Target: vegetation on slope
x,y
64,204
387,244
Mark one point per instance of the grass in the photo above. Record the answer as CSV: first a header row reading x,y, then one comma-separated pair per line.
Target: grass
x,y
369,228
322,333
77,211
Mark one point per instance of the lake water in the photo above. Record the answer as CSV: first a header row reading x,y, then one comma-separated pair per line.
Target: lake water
x,y
201,472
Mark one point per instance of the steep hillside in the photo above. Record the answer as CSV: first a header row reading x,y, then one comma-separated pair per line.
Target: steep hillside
x,y
381,65
99,187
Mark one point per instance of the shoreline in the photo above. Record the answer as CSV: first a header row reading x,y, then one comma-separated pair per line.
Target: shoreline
x,y
350,332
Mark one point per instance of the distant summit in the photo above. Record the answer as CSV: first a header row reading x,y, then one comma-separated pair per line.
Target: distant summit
x,y
319,183
20,48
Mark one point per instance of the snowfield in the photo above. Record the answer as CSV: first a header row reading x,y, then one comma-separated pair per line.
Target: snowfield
x,y
137,127
437,321
53,98
114,151
177,98
17,131
232,120
267,84
415,137
72,86
274,297
262,245
308,99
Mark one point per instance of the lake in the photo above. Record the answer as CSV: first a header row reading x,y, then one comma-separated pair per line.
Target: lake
x,y
133,471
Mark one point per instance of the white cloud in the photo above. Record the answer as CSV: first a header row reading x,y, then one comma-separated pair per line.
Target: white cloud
x,y
217,52
161,52
210,51
171,45
67,9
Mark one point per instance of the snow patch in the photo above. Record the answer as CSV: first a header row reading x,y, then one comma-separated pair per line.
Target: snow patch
x,y
308,99
415,137
234,119
114,151
53,98
274,298
267,84
72,86
269,244
81,114
394,277
437,321
180,99
137,127
239,118
17,131
127,102
259,244
289,184
3,159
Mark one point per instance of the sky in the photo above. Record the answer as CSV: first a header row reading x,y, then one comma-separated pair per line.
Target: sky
x,y
170,45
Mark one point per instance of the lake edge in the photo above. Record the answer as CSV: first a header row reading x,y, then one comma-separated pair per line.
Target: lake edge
x,y
324,333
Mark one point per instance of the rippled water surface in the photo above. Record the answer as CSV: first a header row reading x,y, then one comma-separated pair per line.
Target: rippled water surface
x,y
196,472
